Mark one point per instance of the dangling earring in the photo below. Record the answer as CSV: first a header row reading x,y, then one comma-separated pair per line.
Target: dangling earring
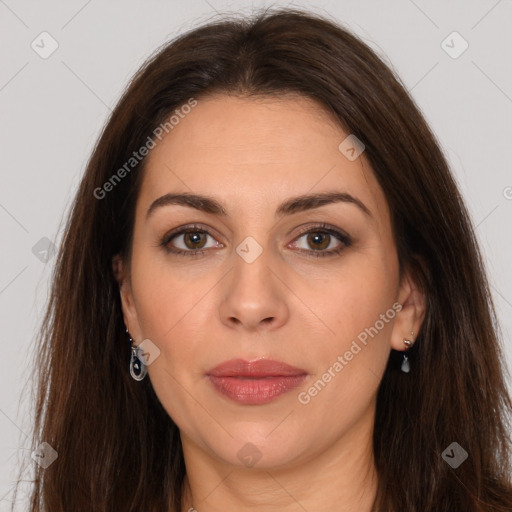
x,y
406,368
138,369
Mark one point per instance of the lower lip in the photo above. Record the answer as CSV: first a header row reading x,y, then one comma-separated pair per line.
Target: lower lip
x,y
251,391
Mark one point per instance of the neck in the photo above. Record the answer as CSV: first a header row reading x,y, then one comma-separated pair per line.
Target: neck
x,y
341,478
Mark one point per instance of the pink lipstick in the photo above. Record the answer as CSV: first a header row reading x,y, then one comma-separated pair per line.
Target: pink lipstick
x,y
256,382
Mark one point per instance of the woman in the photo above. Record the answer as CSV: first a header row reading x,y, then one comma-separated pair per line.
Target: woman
x,y
269,295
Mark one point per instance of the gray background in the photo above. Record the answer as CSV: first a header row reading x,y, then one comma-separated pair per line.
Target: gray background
x,y
52,111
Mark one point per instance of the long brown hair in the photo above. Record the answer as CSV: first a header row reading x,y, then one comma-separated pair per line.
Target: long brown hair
x,y
117,447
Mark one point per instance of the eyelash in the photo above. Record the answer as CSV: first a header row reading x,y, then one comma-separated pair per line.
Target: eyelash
x,y
321,228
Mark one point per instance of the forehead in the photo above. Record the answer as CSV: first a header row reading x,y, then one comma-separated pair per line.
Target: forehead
x,y
253,153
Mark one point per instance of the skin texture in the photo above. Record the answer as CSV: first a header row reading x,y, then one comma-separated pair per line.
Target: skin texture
x,y
252,154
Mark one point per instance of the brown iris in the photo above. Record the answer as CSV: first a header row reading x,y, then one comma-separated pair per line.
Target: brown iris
x,y
313,238
194,235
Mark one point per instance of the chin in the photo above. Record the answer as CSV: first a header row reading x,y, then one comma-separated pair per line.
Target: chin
x,y
260,448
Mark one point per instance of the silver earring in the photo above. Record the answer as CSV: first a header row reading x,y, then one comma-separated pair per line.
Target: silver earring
x,y
406,367
138,369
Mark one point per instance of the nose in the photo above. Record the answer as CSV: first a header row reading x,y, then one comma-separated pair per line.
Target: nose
x,y
255,297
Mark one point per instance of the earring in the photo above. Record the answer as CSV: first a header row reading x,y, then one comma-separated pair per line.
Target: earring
x,y
138,369
406,368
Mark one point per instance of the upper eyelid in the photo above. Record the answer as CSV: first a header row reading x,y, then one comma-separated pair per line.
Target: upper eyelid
x,y
183,230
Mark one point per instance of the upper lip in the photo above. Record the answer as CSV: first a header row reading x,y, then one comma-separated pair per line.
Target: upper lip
x,y
258,368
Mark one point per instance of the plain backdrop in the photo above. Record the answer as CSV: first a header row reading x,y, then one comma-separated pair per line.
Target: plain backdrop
x,y
53,108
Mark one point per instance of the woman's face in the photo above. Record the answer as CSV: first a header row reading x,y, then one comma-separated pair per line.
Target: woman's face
x,y
270,282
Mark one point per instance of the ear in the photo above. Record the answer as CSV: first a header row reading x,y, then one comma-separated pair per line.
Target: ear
x,y
411,316
130,317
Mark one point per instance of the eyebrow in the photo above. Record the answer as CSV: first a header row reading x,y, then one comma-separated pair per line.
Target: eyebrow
x,y
290,206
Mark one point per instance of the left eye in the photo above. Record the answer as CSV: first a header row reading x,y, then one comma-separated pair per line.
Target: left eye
x,y
320,240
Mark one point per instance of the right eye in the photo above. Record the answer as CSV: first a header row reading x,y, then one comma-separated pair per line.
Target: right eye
x,y
193,240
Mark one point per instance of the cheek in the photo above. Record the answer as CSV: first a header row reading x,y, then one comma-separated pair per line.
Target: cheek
x,y
170,307
351,300
357,314
162,294
350,358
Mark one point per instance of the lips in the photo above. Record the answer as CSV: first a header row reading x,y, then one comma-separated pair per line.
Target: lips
x,y
255,382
